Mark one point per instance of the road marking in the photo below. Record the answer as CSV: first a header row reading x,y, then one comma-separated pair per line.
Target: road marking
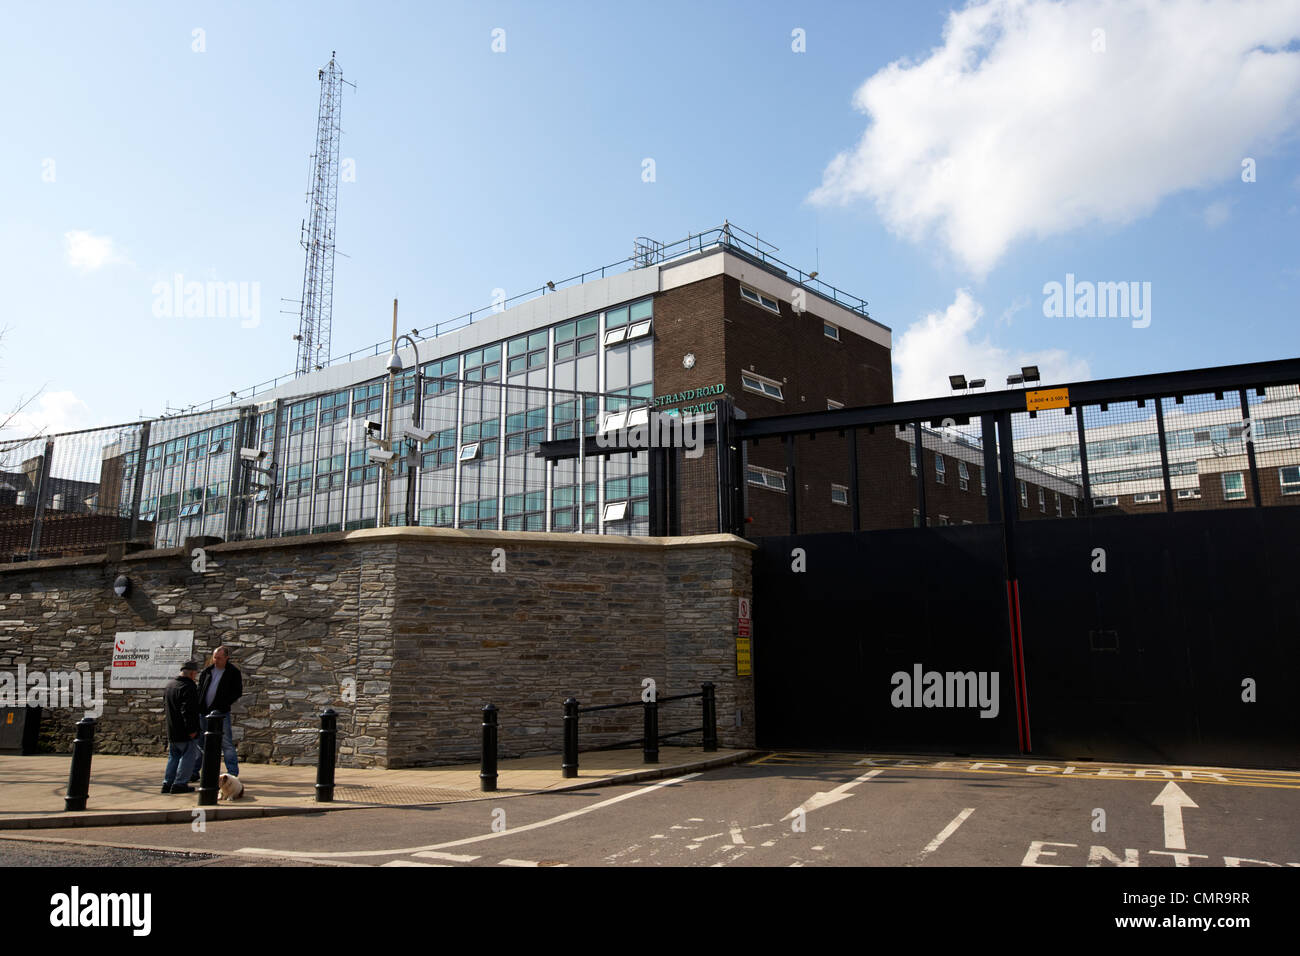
x,y
947,831
736,836
826,798
411,863
309,854
452,857
1221,776
765,842
1172,800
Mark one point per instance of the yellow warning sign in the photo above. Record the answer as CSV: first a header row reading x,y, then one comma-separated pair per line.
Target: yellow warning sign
x,y
1047,398
744,666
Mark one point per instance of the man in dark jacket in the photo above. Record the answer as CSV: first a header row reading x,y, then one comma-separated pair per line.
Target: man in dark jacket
x,y
220,685
181,702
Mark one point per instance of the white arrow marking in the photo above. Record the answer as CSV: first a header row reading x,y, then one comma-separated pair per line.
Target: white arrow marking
x,y
826,798
1172,800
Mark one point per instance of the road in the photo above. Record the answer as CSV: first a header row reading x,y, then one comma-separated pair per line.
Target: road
x,y
781,810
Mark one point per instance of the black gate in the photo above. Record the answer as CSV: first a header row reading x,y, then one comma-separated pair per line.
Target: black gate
x,y
1078,626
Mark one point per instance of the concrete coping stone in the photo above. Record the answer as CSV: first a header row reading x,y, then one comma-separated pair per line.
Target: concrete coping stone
x,y
405,534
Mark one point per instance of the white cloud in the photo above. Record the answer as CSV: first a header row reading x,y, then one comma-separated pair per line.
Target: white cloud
x,y
89,252
1015,128
944,343
1217,213
52,412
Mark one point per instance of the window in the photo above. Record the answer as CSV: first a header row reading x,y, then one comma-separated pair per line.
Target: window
x,y
940,470
911,455
1058,504
526,352
943,521
440,451
1024,495
485,434
403,391
984,488
1188,494
525,512
759,299
963,476
525,429
1074,507
367,400
1234,486
1108,502
334,407
1042,501
763,386
832,405
360,469
839,494
440,376
575,338
831,331
484,365
1147,498
916,518
616,511
469,452
1289,479
329,472
766,478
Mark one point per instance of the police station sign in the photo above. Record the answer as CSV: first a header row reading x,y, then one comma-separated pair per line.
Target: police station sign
x,y
149,659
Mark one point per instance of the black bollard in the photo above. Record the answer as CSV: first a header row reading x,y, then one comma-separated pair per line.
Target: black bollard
x,y
83,748
710,718
569,768
209,790
487,778
325,761
650,745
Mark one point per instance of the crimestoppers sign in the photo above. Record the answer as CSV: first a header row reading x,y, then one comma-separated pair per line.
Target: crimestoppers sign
x,y
149,658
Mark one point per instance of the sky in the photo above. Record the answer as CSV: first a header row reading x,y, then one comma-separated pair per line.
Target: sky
x,y
948,163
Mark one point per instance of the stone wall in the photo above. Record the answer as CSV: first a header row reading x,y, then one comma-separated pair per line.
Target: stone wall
x,y
418,622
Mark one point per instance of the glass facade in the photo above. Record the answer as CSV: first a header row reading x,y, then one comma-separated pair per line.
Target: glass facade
x,y
486,409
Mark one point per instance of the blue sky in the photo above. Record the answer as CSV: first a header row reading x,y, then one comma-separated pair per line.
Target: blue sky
x,y
943,162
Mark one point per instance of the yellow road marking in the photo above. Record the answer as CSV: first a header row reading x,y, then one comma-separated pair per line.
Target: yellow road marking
x,y
1236,777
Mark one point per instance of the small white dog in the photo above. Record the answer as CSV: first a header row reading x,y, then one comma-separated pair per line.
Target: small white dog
x,y
231,788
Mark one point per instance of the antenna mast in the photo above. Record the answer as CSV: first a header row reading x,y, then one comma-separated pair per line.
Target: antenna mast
x,y
317,307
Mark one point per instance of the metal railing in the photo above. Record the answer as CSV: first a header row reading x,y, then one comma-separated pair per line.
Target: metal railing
x,y
649,739
727,235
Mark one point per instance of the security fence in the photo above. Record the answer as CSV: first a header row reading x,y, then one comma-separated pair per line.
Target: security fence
x,y
463,456
1210,439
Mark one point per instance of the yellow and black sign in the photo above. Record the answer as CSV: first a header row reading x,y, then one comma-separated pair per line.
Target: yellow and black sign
x,y
1047,398
744,666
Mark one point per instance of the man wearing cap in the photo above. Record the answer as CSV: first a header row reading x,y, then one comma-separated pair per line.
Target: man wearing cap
x,y
181,702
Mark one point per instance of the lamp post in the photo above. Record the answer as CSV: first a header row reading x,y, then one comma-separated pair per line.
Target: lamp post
x,y
413,451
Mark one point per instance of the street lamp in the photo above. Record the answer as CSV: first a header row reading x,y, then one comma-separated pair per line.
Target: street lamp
x,y
412,434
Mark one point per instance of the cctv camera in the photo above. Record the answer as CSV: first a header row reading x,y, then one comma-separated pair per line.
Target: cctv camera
x,y
378,454
374,426
252,454
417,433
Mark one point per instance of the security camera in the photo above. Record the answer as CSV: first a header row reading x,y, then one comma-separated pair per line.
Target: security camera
x,y
417,433
374,427
252,454
379,454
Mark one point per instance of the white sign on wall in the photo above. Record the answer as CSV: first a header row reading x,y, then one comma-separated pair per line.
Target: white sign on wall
x,y
149,658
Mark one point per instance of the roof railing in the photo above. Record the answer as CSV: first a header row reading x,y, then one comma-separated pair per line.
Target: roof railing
x,y
728,236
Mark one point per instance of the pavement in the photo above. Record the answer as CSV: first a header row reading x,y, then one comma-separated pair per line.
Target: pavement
x,y
125,791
